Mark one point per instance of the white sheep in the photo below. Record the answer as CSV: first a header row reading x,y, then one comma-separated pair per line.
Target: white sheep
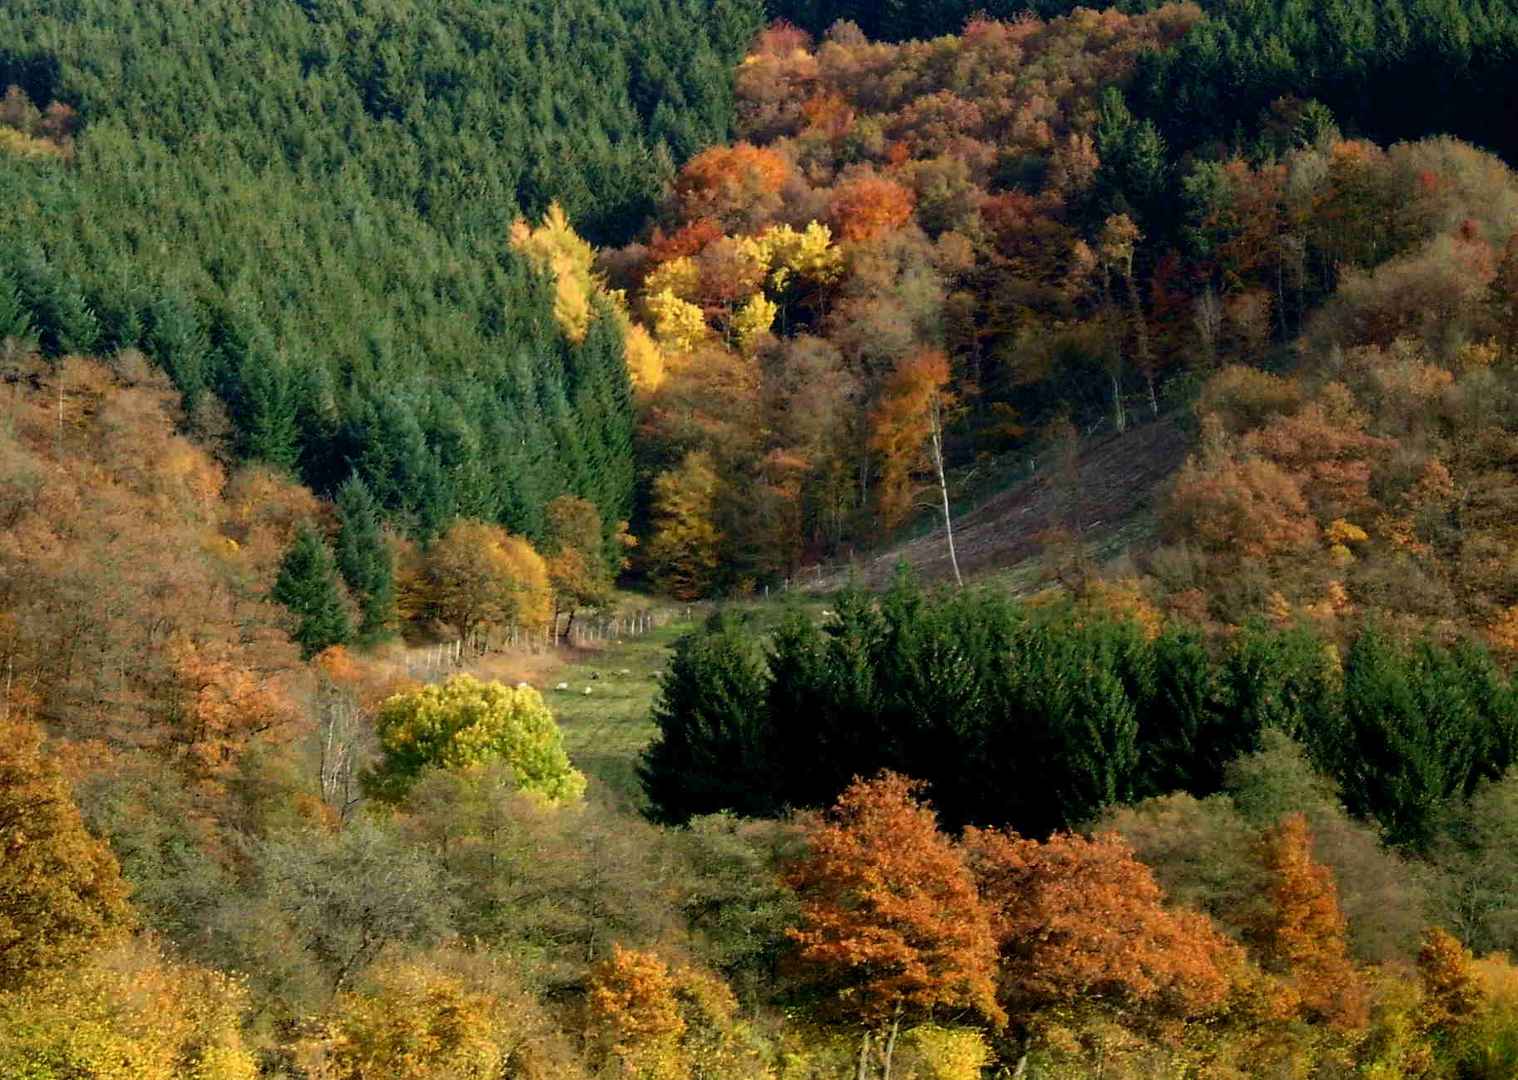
x,y
562,686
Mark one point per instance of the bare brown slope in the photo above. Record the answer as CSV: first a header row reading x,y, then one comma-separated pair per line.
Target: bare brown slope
x,y
1114,481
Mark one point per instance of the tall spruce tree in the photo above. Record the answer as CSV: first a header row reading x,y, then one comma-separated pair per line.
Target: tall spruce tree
x,y
307,585
709,754
365,560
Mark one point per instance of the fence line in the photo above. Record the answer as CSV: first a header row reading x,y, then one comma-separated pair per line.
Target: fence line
x,y
577,632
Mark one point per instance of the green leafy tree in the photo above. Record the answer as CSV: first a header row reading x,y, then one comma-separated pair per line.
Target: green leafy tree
x,y
465,721
307,585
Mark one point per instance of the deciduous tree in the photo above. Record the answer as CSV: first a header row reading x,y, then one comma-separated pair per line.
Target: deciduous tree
x,y
1300,936
890,917
1080,919
477,575
465,722
61,891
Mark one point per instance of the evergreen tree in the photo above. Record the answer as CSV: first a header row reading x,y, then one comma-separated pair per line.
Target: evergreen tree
x,y
307,585
1417,739
365,559
15,323
709,754
1284,679
1186,734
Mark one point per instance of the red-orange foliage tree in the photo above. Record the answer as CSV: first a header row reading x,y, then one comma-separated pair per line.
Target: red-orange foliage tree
x,y
1245,507
890,917
867,206
728,183
1301,935
1083,919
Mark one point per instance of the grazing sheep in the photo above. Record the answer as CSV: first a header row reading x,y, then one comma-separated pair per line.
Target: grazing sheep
x,y
625,672
562,686
587,691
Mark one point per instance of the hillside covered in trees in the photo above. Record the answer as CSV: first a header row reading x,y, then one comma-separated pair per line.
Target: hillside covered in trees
x,y
339,338
301,211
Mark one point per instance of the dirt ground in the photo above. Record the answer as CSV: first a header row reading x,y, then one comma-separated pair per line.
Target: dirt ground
x,y
1113,483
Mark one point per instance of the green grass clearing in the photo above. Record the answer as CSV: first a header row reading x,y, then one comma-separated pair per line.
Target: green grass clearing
x,y
606,730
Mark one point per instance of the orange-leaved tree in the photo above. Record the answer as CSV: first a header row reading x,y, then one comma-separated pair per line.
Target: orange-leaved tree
x,y
1301,936
866,206
729,184
635,1014
890,919
1452,993
1082,919
907,432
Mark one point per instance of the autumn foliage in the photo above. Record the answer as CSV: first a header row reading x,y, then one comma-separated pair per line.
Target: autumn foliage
x,y
61,891
863,208
1301,935
890,916
1082,919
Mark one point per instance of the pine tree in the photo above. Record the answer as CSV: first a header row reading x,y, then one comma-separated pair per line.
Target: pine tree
x,y
307,585
15,322
365,559
266,416
1186,735
1414,742
710,751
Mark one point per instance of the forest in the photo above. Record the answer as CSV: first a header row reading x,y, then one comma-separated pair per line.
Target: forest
x,y
442,444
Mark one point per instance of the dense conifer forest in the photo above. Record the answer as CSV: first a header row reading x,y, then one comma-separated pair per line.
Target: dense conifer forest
x,y
301,211
437,438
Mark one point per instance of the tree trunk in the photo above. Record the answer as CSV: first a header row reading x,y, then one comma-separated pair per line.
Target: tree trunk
x,y
1119,417
1141,337
890,1047
943,490
862,1070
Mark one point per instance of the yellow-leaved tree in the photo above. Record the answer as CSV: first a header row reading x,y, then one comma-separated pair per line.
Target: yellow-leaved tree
x,y
126,1013
465,721
685,551
554,246
61,892
477,575
450,1016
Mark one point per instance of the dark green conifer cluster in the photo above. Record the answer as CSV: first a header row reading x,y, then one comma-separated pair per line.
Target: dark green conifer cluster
x,y
300,210
1041,719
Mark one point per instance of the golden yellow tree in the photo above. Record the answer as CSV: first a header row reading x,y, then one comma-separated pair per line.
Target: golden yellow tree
x,y
61,892
554,246
685,551
126,1013
442,1017
477,575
